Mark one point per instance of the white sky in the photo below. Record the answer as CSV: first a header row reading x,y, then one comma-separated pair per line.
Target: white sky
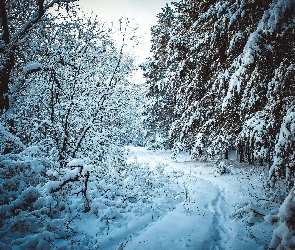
x,y
142,11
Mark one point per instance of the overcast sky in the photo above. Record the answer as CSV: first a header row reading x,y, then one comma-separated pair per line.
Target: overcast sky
x,y
142,11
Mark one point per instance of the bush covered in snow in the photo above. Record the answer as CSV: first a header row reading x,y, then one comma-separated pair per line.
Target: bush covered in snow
x,y
222,168
30,218
284,234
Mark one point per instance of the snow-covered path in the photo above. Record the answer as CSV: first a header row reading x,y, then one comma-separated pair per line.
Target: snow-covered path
x,y
203,210
204,219
188,225
185,227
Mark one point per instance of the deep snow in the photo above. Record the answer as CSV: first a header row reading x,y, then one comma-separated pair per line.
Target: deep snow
x,y
193,207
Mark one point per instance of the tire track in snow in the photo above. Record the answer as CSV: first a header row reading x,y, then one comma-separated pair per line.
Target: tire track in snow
x,y
219,236
220,219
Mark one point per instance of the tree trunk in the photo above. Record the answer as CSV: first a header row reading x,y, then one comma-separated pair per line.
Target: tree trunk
x,y
226,154
5,74
8,61
241,152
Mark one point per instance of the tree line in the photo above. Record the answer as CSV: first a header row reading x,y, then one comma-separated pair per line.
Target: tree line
x,y
222,77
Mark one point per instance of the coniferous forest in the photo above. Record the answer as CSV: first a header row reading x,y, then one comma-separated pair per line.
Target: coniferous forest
x,y
220,80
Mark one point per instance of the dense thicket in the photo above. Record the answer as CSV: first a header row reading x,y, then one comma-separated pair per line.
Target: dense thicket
x,y
222,77
65,109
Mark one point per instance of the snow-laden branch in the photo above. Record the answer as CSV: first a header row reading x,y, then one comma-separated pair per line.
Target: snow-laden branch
x,y
100,102
34,19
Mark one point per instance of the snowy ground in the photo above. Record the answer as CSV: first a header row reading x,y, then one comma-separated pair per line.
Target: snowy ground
x,y
191,206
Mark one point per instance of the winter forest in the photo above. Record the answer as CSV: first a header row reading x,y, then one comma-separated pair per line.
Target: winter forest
x,y
199,156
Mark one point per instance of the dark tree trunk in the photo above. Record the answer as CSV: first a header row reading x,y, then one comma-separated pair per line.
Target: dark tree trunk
x,y
250,153
4,81
226,155
8,51
241,152
8,61
3,14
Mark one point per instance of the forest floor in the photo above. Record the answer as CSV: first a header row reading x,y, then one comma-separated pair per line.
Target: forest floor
x,y
192,205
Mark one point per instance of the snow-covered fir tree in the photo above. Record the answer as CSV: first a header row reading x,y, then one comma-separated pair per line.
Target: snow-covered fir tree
x,y
230,68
